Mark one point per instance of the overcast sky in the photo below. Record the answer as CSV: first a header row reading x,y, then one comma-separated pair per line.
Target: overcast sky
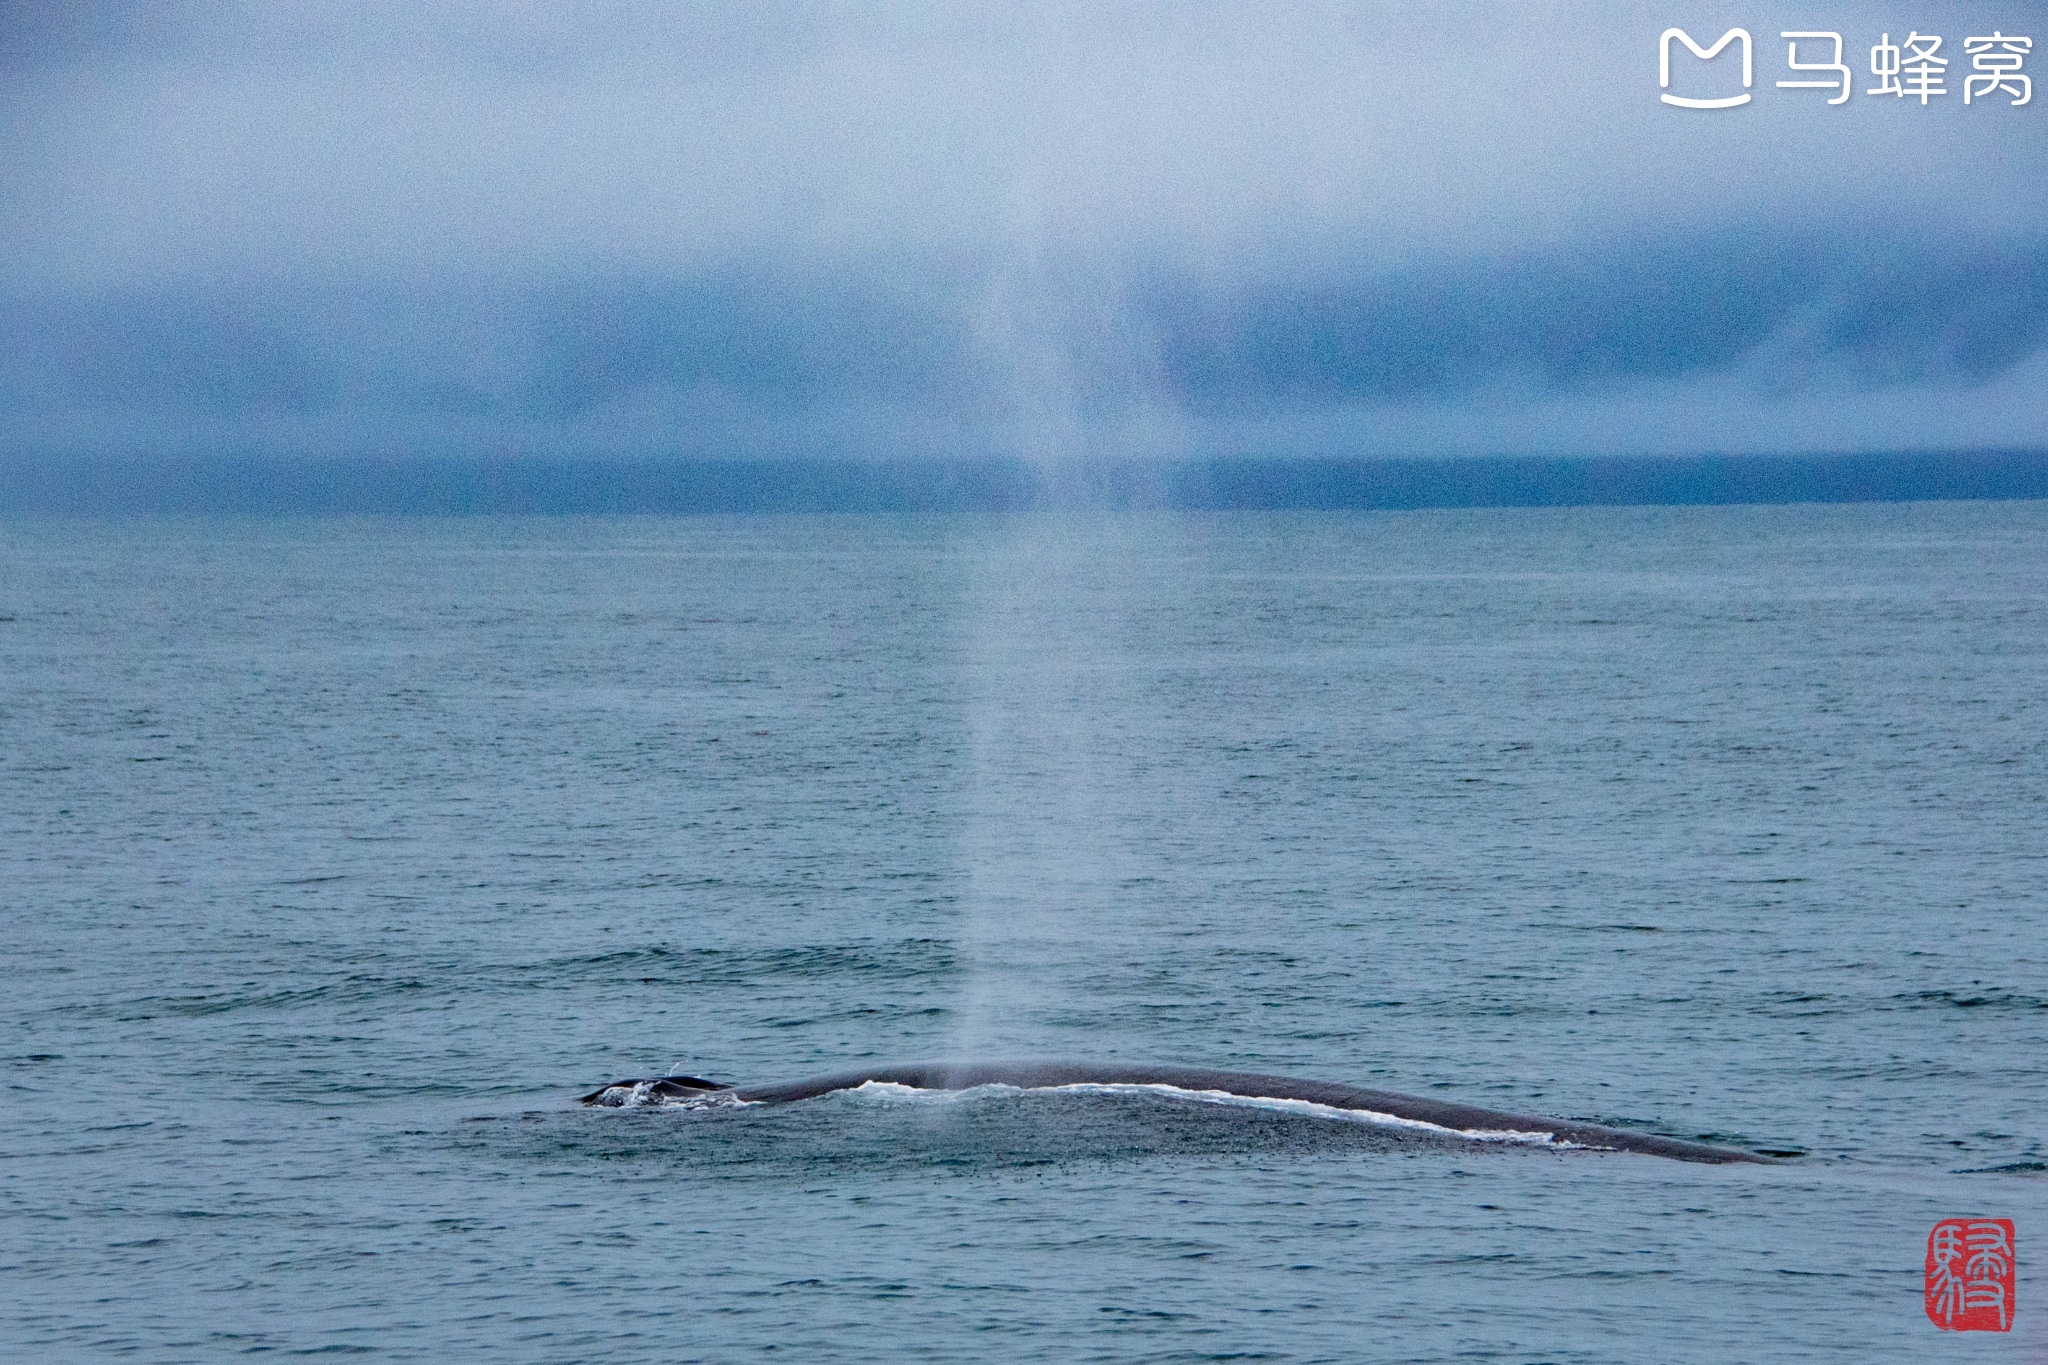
x,y
1062,231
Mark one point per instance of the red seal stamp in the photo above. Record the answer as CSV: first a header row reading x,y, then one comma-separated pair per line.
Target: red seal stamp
x,y
1970,1266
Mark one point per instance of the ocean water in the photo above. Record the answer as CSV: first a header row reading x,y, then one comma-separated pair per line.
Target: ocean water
x,y
337,857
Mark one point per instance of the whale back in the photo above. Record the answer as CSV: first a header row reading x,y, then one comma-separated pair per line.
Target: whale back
x,y
1453,1119
621,1093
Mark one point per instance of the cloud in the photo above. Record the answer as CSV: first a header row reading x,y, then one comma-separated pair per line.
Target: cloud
x,y
1069,229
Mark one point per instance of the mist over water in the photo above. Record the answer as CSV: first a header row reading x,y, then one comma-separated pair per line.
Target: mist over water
x,y
340,856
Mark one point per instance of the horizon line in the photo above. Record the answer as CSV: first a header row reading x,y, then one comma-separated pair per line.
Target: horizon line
x,y
573,485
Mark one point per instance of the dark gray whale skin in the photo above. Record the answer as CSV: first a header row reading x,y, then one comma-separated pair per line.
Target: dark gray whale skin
x,y
1246,1084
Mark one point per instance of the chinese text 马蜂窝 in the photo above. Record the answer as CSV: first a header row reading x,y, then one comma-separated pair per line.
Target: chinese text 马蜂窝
x,y
1912,68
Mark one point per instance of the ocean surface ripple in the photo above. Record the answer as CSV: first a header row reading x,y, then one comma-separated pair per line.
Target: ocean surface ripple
x,y
339,857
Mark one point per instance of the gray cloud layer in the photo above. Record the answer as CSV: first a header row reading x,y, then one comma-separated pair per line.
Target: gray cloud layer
x,y
1060,230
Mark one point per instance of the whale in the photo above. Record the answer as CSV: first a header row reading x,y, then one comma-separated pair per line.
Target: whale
x,y
1448,1118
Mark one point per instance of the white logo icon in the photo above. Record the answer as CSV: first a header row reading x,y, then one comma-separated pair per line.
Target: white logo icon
x,y
1705,54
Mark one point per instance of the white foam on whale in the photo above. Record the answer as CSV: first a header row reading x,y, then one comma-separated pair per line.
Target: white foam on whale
x,y
893,1090
642,1095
